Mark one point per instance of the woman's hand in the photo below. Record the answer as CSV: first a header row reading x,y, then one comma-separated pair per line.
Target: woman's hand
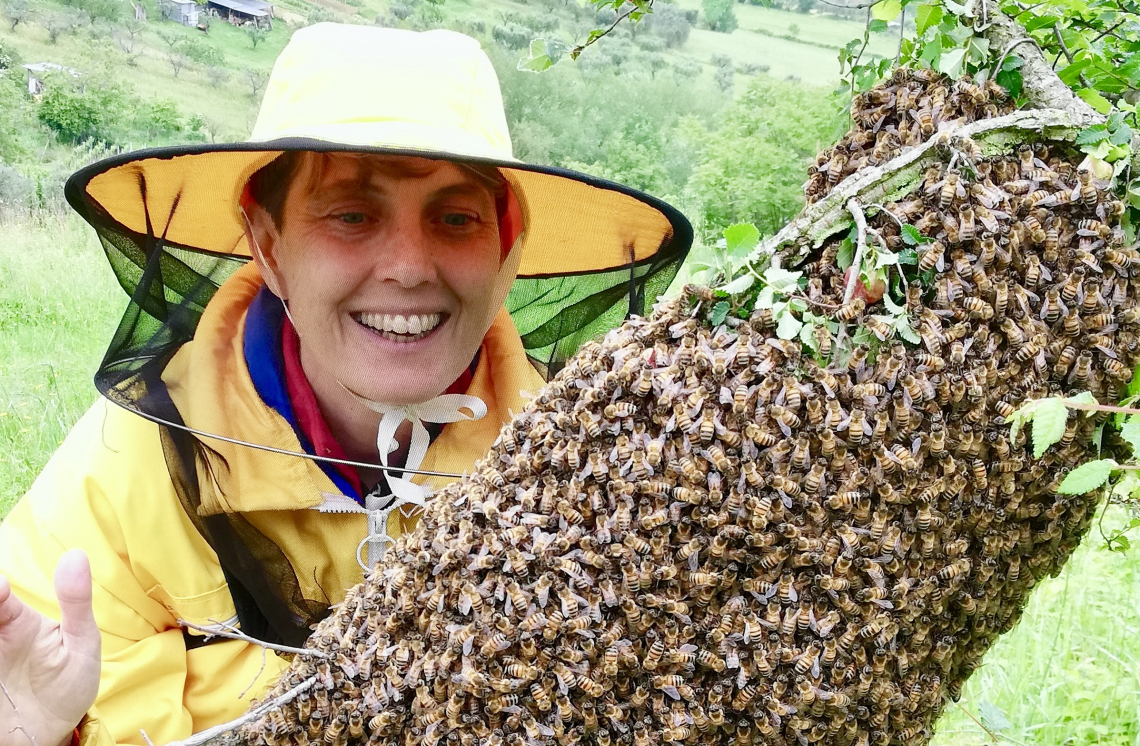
x,y
49,670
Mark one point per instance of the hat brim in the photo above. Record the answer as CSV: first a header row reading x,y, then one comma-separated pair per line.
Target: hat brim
x,y
573,223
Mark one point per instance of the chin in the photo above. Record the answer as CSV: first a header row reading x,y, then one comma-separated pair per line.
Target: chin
x,y
401,389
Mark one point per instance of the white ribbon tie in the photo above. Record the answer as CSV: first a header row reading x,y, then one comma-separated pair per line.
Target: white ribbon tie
x,y
407,496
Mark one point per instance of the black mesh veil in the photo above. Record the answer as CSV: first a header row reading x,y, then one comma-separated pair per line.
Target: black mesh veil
x,y
169,286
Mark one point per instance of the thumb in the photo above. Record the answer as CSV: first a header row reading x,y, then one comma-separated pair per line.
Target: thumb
x,y
73,590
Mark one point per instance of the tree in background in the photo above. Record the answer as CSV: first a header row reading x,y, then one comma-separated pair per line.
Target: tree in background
x,y
217,76
723,77
720,15
178,60
15,11
753,161
255,80
62,22
256,34
669,22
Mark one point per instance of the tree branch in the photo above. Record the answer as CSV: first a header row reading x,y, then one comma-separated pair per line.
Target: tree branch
x,y
860,247
224,630
222,735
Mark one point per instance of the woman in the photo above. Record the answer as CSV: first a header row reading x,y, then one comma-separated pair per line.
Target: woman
x,y
246,476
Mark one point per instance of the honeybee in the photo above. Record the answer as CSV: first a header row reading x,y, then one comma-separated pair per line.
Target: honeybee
x,y
850,310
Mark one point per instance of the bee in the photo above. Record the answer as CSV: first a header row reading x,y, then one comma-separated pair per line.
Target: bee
x,y
951,187
850,310
966,226
978,308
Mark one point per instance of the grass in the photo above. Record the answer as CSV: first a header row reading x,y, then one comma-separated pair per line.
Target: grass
x,y
1069,674
59,304
805,59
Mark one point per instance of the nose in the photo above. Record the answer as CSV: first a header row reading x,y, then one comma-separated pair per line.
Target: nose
x,y
405,256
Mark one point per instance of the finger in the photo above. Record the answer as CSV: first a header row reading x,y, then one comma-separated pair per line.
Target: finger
x,y
73,590
10,606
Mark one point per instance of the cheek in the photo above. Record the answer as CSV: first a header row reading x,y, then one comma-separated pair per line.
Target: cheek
x,y
472,276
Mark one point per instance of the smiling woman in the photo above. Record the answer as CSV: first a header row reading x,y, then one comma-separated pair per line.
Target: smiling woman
x,y
280,420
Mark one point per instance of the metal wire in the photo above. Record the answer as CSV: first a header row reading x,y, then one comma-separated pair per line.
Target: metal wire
x,y
284,452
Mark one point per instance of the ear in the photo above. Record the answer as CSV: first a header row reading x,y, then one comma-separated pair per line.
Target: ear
x,y
265,245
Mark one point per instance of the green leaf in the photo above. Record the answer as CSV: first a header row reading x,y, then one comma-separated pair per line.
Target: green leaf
x,y
1048,424
886,259
886,10
739,285
908,256
1092,135
1095,100
1042,21
878,25
1010,79
951,62
1131,435
1085,397
807,337
766,298
719,313
741,238
1087,477
538,60
954,7
927,15
932,52
893,308
906,331
992,716
846,254
1121,136
911,236
1115,121
788,326
781,279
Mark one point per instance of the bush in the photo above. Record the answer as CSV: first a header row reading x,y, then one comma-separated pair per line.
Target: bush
x,y
511,36
16,190
723,77
203,53
72,114
721,60
8,58
720,15
751,68
401,11
686,69
670,23
158,120
794,29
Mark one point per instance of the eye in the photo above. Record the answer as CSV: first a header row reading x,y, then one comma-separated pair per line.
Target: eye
x,y
351,218
458,219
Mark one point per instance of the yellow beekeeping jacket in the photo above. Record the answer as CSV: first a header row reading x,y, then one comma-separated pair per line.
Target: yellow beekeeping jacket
x,y
107,490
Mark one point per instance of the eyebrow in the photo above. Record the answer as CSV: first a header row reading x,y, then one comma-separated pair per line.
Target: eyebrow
x,y
370,190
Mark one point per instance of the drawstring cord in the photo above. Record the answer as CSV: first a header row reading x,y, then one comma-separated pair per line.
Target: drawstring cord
x,y
410,498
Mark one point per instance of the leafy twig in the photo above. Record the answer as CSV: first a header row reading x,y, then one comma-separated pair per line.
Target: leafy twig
x,y
595,35
225,630
1009,48
993,736
860,248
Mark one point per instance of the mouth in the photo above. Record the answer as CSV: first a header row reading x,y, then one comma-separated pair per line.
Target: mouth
x,y
400,328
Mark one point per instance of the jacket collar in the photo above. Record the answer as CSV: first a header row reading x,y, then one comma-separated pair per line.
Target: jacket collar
x,y
210,384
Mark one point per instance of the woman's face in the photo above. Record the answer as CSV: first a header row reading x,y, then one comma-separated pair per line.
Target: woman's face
x,y
389,268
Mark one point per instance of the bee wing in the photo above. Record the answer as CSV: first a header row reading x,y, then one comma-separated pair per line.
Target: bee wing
x,y
726,396
671,691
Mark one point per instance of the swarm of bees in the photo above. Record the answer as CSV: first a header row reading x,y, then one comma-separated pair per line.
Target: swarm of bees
x,y
907,111
702,533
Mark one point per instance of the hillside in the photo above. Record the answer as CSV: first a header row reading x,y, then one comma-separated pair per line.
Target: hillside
x,y
223,93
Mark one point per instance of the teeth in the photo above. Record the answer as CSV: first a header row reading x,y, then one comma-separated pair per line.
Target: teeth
x,y
403,325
